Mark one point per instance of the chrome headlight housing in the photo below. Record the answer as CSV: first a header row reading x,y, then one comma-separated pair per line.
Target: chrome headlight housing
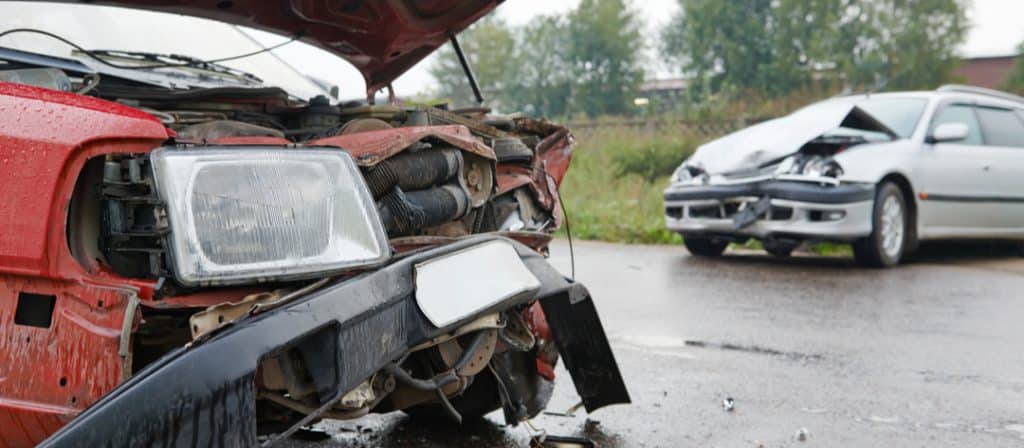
x,y
814,166
819,166
250,215
681,174
688,173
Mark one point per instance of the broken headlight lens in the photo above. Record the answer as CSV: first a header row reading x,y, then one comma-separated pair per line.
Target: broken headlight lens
x,y
250,215
681,174
821,167
816,166
687,172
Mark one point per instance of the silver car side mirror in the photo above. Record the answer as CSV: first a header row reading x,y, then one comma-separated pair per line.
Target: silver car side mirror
x,y
949,132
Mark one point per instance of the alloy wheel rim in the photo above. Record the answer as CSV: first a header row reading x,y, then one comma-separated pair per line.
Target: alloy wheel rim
x,y
892,226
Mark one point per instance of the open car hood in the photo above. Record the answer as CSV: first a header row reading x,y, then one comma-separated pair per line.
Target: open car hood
x,y
381,38
772,140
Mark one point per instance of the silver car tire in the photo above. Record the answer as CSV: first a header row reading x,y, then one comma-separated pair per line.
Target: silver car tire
x,y
890,235
702,246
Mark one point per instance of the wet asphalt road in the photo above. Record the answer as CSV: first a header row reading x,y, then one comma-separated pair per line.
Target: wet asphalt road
x,y
929,354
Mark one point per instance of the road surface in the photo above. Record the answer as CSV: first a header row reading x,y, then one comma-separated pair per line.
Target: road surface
x,y
929,354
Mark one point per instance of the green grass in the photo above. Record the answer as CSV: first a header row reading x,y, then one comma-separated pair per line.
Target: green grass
x,y
613,190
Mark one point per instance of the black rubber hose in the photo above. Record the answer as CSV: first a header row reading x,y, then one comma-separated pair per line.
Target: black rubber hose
x,y
470,350
432,384
404,213
435,384
413,171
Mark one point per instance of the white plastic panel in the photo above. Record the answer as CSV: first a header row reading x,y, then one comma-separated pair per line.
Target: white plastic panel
x,y
466,282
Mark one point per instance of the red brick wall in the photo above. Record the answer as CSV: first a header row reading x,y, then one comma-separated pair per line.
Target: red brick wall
x,y
985,72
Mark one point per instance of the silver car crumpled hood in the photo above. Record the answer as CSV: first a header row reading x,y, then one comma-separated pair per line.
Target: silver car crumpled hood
x,y
772,140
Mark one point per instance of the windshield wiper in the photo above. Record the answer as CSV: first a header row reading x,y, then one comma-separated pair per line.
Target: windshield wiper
x,y
153,61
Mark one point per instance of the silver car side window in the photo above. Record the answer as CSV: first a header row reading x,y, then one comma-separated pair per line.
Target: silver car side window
x,y
1002,127
960,113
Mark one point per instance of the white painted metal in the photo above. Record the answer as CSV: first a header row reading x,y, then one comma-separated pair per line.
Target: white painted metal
x,y
461,284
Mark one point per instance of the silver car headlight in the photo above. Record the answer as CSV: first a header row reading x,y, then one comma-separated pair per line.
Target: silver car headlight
x,y
821,167
815,166
249,215
681,174
688,172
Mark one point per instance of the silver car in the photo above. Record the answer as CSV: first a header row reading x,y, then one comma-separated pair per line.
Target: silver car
x,y
880,171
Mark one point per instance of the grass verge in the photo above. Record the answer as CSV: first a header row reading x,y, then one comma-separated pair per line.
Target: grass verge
x,y
613,190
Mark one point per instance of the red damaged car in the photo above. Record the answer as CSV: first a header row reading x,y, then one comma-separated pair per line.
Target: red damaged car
x,y
190,255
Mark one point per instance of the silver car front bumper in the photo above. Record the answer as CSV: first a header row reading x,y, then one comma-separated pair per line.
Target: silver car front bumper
x,y
797,210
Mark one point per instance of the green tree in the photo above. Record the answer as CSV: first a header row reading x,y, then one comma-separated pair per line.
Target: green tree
x,y
1015,81
605,47
721,43
918,52
490,46
775,47
544,79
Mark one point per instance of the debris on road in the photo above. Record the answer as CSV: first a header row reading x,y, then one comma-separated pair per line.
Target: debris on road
x,y
728,404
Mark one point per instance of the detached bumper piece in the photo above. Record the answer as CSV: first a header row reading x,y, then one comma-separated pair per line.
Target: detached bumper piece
x,y
205,395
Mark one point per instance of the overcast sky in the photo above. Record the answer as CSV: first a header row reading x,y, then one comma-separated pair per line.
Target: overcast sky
x,y
997,28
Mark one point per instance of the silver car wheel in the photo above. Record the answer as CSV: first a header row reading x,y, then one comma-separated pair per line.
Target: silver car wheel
x,y
893,227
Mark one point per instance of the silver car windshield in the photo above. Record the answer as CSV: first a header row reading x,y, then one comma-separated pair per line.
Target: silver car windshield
x,y
899,114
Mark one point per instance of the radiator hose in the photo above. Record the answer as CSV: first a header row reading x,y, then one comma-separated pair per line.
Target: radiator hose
x,y
406,212
413,171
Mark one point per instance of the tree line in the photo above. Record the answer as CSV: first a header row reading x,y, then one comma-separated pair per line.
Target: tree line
x,y
592,60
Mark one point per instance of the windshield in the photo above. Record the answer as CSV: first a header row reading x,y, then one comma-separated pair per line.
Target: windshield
x,y
899,114
110,28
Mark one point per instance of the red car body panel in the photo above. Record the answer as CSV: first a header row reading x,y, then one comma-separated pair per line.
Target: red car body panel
x,y
370,148
44,134
53,373
383,39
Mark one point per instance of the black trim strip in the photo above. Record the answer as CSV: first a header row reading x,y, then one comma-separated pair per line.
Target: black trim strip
x,y
956,198
789,190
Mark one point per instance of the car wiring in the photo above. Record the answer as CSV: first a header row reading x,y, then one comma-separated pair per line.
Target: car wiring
x,y
147,66
568,229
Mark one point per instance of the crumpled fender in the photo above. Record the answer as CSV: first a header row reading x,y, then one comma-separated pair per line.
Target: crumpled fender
x,y
370,148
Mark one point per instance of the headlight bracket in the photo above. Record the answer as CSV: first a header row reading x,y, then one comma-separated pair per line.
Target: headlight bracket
x,y
134,219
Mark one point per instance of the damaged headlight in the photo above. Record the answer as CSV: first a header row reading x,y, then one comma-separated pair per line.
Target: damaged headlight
x,y
686,173
247,215
822,167
815,166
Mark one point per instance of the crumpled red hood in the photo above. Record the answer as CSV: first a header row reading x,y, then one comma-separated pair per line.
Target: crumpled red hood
x,y
381,38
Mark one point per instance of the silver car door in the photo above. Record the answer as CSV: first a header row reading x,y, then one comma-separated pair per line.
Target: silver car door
x,y
1003,130
953,182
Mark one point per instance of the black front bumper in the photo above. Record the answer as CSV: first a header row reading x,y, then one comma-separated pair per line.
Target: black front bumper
x,y
788,190
205,395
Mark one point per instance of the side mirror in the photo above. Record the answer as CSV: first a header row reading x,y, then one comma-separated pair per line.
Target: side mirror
x,y
949,132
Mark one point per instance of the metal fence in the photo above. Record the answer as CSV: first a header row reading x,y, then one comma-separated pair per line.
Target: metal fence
x,y
700,128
